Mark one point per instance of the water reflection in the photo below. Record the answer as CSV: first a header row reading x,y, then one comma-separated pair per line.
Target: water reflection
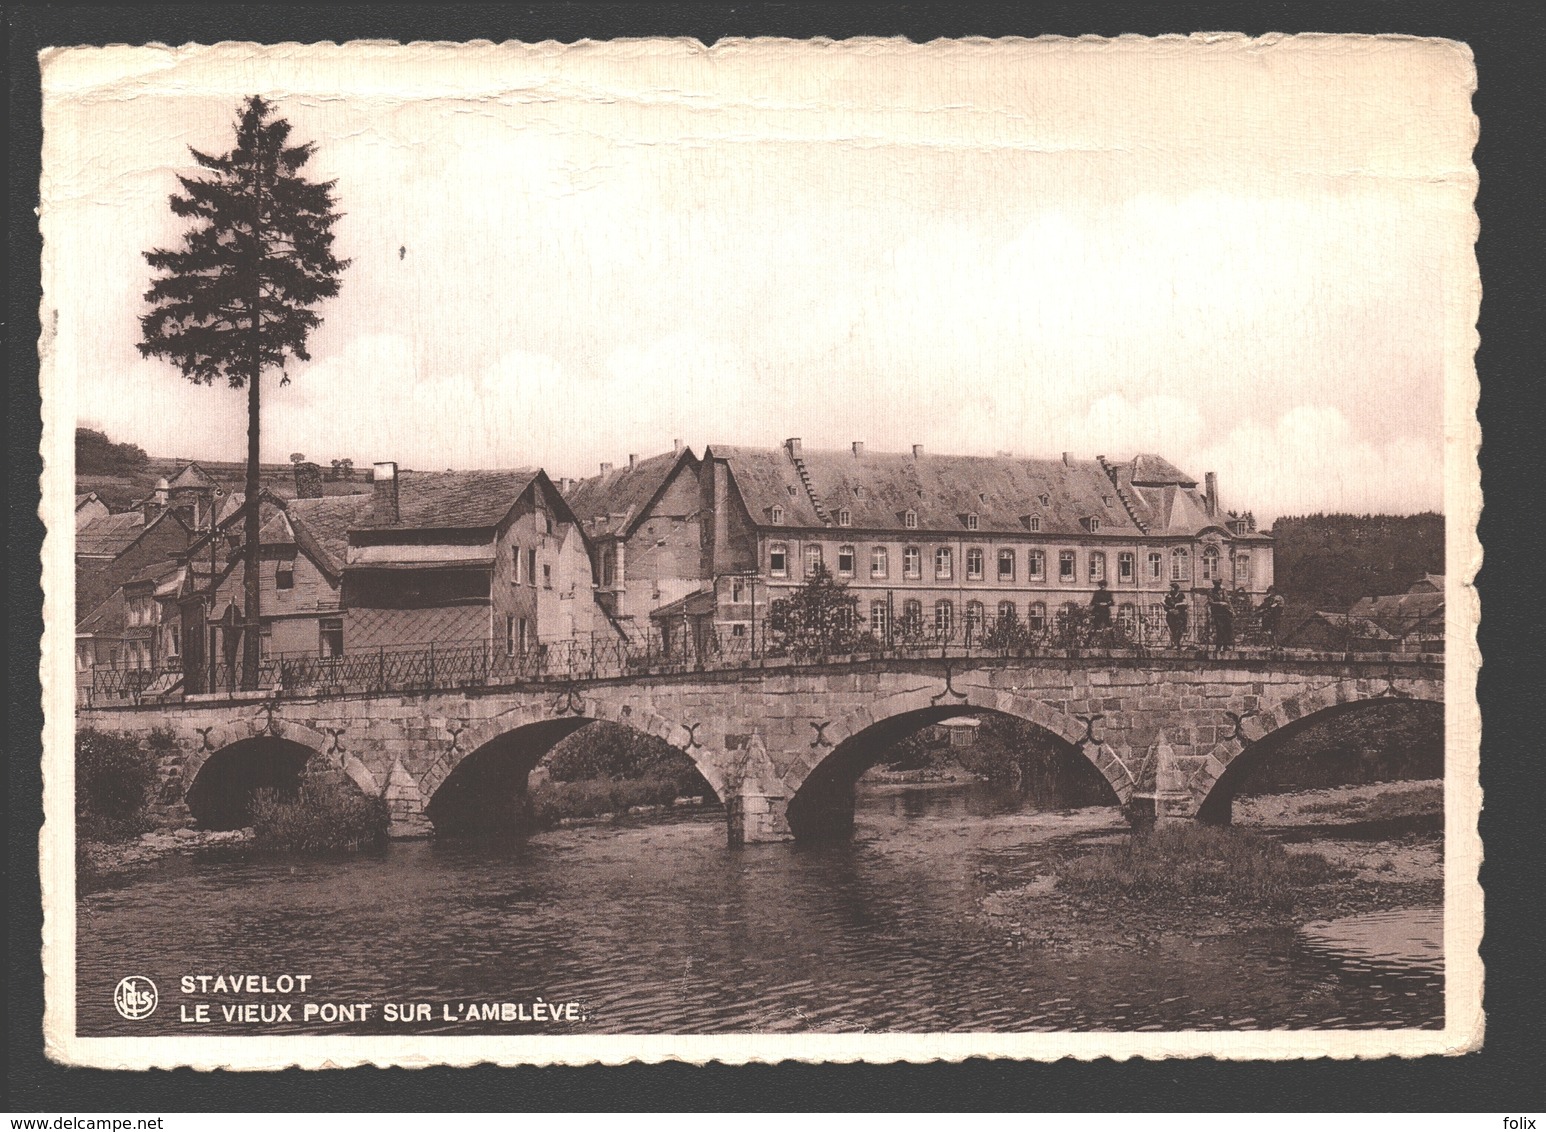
x,y
661,928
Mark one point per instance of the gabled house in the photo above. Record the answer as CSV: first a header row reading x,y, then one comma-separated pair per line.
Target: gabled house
x,y
468,558
643,520
117,547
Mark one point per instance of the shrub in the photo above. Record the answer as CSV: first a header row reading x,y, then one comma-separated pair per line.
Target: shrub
x,y
1198,862
323,816
612,751
113,780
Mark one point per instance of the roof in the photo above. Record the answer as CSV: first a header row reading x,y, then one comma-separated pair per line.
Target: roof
x,y
697,603
878,488
191,475
1433,583
320,526
82,500
615,503
1160,497
110,535
452,500
1400,613
107,617
155,572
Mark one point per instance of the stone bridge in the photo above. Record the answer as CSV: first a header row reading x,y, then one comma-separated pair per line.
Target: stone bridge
x,y
782,747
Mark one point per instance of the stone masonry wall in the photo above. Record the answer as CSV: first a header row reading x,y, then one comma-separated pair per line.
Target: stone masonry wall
x,y
757,734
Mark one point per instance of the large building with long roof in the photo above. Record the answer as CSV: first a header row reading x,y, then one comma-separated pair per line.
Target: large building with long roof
x,y
939,545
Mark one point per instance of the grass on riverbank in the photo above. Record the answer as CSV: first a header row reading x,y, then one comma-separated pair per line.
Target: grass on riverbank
x,y
1194,862
592,797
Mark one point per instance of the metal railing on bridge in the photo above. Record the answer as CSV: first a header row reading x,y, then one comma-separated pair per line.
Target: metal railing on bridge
x,y
447,665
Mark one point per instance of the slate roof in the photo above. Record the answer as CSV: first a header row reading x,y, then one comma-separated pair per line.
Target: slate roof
x,y
191,475
615,503
452,500
1161,497
110,535
1401,613
107,617
82,500
321,526
878,488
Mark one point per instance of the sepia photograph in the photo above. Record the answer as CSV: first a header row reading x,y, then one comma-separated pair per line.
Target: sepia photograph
x,y
829,550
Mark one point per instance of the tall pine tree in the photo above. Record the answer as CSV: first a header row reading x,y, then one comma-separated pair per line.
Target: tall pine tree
x,y
240,295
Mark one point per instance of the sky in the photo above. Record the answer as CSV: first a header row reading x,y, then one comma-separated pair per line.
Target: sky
x,y
1234,254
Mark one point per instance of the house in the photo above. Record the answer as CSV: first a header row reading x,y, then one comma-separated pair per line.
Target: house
x,y
88,509
117,547
643,521
1414,619
944,546
470,558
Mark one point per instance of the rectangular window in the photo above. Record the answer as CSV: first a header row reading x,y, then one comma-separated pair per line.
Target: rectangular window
x,y
1006,565
879,566
736,591
878,619
943,563
1097,566
1067,568
547,576
509,634
974,564
943,618
522,636
778,559
284,574
1156,566
531,566
330,631
1036,565
812,559
845,561
912,563
1127,565
515,555
1242,567
1035,524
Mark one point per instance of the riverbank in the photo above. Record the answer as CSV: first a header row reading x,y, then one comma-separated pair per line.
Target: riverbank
x,y
1372,848
97,861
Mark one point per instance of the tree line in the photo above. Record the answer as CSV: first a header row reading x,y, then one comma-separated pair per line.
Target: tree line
x,y
1329,561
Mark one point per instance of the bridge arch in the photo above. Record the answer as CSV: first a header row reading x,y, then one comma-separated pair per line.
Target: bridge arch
x,y
821,782
480,780
1210,783
222,786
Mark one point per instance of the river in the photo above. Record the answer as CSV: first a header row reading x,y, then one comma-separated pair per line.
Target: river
x,y
658,928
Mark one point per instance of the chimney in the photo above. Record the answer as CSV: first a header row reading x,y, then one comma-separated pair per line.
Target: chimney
x,y
1068,459
564,485
917,450
606,469
1210,493
793,444
383,478
676,447
858,448
633,460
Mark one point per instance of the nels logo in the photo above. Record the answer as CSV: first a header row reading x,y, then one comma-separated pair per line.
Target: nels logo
x,y
135,997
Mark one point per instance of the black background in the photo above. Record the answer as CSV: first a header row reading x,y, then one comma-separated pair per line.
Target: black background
x,y
1506,1075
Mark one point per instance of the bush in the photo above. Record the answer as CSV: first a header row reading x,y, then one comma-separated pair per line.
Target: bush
x,y
1195,862
323,816
113,780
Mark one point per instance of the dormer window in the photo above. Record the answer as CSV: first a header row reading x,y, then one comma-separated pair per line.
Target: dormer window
x,y
971,521
1033,523
778,515
910,519
1090,523
1236,526
790,490
845,518
1046,500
